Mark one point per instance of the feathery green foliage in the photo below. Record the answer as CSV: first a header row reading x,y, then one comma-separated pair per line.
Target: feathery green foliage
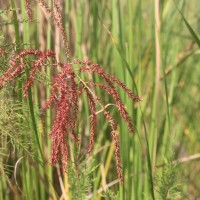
x,y
79,175
168,183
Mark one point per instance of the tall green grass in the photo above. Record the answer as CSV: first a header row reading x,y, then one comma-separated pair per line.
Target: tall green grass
x,y
158,62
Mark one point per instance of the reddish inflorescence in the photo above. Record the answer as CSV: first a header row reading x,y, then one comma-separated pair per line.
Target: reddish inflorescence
x,y
28,10
57,19
65,91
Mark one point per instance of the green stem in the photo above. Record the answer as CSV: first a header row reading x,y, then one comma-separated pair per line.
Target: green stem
x,y
30,101
20,82
16,26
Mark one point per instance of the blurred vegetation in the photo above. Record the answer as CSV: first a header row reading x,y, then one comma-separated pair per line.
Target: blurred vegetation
x,y
145,44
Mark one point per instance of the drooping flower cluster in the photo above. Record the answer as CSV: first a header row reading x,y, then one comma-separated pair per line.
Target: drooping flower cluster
x,y
66,88
65,92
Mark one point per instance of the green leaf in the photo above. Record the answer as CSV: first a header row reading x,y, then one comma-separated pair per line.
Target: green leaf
x,y
192,32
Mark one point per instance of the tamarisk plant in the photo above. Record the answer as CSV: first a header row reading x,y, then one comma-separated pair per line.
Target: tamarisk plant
x,y
66,89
